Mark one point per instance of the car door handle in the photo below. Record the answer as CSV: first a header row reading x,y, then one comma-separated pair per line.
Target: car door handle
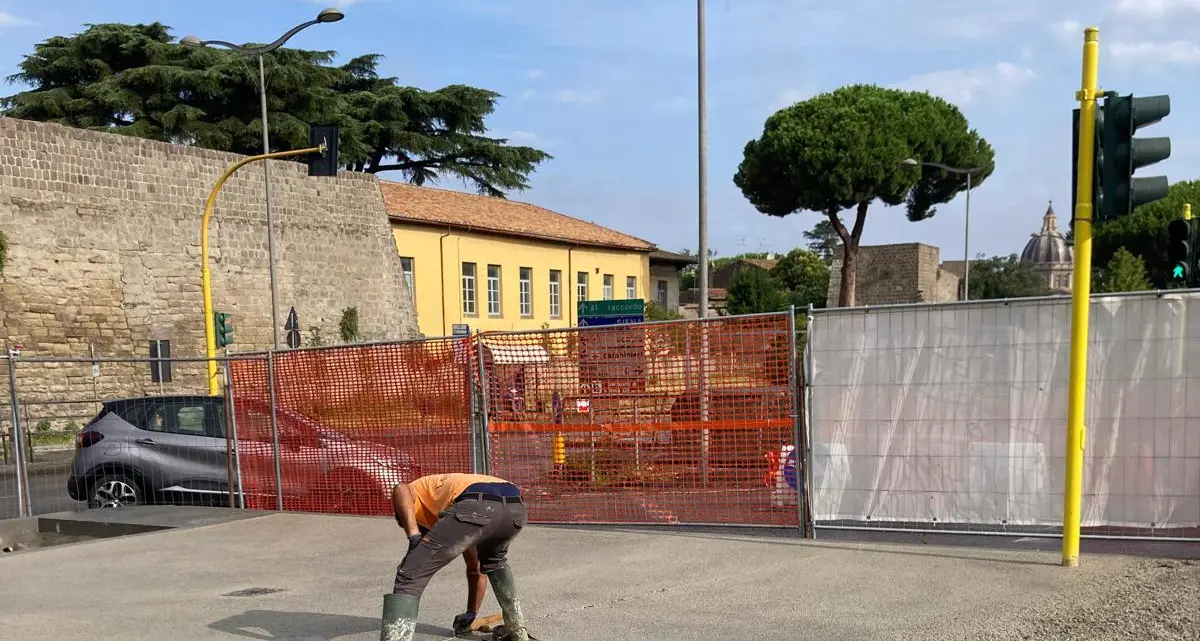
x,y
145,441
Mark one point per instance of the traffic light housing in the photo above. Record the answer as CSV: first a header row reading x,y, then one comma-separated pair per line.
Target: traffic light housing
x,y
323,164
224,325
1123,154
1180,250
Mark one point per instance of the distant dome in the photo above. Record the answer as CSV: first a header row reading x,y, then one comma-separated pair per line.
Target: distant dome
x,y
1047,246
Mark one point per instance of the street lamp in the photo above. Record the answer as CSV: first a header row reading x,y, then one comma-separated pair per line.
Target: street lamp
x,y
912,162
326,15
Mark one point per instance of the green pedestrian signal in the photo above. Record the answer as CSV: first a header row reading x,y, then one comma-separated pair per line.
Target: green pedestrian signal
x,y
224,325
1180,249
1123,154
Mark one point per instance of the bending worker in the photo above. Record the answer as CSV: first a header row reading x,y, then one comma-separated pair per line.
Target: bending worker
x,y
445,515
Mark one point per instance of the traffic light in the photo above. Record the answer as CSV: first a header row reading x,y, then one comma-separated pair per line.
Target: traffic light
x,y
1097,156
1180,250
325,164
1123,154
224,323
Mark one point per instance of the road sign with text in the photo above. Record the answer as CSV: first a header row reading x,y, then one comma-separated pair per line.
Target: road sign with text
x,y
624,307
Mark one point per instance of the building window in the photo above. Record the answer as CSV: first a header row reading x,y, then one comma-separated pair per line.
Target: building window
x,y
160,365
406,265
581,283
468,289
631,287
493,290
526,291
662,294
555,293
608,287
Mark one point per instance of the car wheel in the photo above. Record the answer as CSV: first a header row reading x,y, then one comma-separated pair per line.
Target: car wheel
x,y
115,490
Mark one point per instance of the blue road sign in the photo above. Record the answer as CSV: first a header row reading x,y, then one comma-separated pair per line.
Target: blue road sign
x,y
597,321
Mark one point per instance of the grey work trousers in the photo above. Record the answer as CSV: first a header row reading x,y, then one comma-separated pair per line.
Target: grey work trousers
x,y
488,525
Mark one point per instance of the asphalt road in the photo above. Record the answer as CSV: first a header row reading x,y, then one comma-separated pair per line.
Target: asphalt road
x,y
47,493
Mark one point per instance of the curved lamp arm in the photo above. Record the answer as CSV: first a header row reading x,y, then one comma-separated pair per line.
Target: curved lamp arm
x,y
954,170
327,15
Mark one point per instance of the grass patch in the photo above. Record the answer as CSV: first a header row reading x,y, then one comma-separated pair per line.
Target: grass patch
x,y
51,439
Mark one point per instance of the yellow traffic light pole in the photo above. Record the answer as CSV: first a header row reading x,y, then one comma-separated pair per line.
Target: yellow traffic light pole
x,y
1076,430
210,332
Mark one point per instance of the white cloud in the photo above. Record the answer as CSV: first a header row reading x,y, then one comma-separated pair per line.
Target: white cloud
x,y
961,86
528,94
519,137
534,74
1068,30
529,139
1180,52
790,97
1154,9
9,20
578,96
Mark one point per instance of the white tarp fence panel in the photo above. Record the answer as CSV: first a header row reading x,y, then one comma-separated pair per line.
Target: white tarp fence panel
x,y
956,414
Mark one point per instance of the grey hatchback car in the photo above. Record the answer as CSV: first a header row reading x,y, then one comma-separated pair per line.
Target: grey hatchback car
x,y
173,449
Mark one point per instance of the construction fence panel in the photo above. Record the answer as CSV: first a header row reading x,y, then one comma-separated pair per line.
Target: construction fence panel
x,y
953,417
683,422
110,431
334,429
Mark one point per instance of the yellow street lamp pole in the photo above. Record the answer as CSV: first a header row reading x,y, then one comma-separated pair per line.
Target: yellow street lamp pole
x,y
1076,430
210,332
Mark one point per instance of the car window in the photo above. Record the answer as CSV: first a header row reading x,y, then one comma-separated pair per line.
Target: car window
x,y
189,419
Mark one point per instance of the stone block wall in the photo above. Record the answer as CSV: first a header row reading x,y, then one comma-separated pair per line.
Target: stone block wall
x,y
104,234
893,274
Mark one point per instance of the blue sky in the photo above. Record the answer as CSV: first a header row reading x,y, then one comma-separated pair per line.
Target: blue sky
x,y
609,88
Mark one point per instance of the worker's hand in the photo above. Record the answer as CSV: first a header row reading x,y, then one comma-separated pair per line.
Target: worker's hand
x,y
462,622
413,541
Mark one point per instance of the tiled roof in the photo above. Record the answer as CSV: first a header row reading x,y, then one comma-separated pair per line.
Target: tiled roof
x,y
443,207
672,257
763,263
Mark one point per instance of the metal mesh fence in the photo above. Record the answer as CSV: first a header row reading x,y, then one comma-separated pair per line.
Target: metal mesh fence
x,y
953,417
109,432
350,422
688,422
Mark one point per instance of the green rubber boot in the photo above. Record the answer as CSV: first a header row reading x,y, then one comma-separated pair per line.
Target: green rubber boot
x,y
399,617
505,588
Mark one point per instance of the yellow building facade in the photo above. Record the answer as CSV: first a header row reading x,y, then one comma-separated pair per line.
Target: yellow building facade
x,y
493,264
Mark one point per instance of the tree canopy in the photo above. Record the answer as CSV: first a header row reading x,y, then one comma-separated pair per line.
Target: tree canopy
x,y
1126,272
1144,232
1005,277
804,276
137,80
823,239
754,291
844,150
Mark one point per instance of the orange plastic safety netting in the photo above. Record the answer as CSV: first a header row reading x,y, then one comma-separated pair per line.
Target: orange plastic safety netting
x,y
690,422
352,422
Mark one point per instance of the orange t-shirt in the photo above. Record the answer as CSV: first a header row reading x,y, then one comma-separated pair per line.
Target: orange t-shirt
x,y
435,493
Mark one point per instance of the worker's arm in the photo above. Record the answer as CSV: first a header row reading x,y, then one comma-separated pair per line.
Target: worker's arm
x,y
476,586
404,507
476,580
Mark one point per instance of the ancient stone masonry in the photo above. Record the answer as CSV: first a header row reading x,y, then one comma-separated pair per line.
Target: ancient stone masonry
x,y
104,232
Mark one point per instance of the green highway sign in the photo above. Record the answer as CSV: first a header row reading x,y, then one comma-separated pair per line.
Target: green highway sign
x,y
626,307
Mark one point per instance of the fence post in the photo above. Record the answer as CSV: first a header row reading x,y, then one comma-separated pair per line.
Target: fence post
x,y
809,520
475,408
19,470
274,430
233,454
485,442
703,398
